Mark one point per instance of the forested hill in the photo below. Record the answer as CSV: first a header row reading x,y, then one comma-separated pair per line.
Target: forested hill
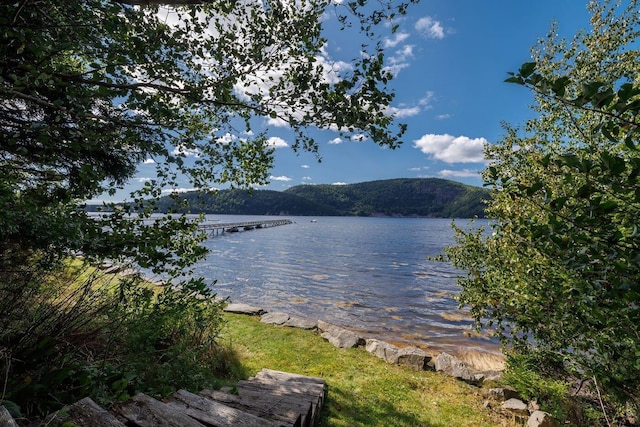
x,y
428,197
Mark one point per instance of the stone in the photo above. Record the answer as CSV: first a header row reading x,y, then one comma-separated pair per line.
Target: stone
x,y
455,367
241,308
338,336
414,358
301,322
275,318
516,407
503,393
382,350
541,419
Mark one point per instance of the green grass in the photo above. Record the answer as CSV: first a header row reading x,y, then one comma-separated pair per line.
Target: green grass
x,y
363,390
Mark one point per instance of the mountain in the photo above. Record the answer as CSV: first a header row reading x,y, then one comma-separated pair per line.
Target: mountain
x,y
424,197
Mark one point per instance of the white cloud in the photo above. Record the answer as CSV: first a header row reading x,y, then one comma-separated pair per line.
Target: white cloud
x,y
360,137
226,139
443,116
280,178
430,28
428,98
177,190
339,183
402,112
396,40
143,179
181,150
148,161
306,178
415,169
452,149
277,142
464,173
399,60
336,141
305,166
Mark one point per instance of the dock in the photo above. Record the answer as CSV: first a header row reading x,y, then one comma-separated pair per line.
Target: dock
x,y
233,227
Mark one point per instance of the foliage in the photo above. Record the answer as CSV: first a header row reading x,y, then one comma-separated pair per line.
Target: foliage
x,y
89,90
80,332
424,197
559,272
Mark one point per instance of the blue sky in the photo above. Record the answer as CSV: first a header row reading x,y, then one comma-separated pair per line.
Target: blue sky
x,y
450,58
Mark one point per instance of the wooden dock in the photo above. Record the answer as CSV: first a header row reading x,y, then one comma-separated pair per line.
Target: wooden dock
x,y
270,399
232,227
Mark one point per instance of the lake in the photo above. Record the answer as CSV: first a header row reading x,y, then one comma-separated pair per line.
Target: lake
x,y
369,274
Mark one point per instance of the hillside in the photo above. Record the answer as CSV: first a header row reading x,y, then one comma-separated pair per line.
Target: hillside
x,y
425,197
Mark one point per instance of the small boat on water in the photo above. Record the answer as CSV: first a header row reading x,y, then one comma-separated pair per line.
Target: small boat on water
x,y
314,220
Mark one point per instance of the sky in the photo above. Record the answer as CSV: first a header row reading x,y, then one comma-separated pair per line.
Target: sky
x,y
450,59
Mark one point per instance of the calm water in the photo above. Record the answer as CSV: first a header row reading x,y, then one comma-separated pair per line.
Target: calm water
x,y
370,274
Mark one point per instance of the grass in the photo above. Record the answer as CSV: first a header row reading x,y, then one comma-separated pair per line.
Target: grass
x,y
363,390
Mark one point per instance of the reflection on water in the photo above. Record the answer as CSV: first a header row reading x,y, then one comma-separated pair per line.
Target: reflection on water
x,y
369,274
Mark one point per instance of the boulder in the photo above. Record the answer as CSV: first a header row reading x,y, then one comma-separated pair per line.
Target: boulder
x,y
541,419
338,336
241,308
415,358
455,367
383,350
301,322
275,318
516,407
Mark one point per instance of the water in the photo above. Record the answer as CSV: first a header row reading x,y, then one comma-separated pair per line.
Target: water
x,y
369,274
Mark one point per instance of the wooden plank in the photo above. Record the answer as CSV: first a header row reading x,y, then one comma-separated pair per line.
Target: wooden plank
x,y
144,411
260,407
86,412
6,420
214,413
289,377
309,394
281,402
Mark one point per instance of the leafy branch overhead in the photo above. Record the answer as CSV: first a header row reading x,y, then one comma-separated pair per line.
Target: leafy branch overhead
x,y
91,89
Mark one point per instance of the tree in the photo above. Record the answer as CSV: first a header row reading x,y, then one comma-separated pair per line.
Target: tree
x,y
90,89
559,273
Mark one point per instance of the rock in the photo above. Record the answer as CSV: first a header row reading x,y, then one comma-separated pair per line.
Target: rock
x,y
455,367
383,350
301,322
243,309
415,358
515,407
275,318
541,419
502,394
338,336
533,406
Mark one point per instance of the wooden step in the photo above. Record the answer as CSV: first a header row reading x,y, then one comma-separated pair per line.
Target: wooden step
x,y
270,399
144,411
213,413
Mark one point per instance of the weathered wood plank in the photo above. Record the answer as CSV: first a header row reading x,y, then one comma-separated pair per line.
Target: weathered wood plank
x,y
289,377
311,394
258,406
86,412
6,420
214,413
144,411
